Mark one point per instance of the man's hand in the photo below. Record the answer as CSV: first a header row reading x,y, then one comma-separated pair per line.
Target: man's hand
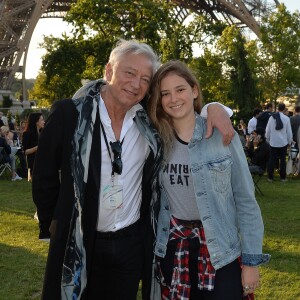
x,y
218,118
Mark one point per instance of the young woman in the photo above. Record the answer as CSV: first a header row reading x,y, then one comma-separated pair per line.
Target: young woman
x,y
209,228
35,124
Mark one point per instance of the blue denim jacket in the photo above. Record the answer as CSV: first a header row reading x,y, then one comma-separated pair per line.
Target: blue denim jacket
x,y
225,198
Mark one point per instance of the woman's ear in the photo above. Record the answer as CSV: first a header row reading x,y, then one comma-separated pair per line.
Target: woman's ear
x,y
195,92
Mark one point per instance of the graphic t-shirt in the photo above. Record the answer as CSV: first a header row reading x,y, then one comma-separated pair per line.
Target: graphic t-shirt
x,y
178,183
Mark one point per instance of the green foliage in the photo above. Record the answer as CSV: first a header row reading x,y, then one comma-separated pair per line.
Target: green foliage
x,y
9,116
278,61
17,87
7,102
111,20
242,91
98,25
214,84
231,69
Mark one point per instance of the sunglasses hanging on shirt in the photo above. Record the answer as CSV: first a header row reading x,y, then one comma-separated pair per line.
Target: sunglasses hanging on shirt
x,y
116,148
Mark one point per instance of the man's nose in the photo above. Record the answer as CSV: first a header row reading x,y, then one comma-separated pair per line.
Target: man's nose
x,y
136,82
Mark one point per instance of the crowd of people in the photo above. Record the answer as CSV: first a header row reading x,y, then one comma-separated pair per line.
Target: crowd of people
x,y
269,137
19,144
134,180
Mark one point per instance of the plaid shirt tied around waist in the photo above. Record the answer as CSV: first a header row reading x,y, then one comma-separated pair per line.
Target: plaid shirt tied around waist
x,y
180,285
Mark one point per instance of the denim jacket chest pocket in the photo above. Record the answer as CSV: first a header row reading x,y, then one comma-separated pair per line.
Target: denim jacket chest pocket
x,y
220,172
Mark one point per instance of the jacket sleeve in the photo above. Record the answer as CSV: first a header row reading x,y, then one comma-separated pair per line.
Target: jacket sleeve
x,y
45,179
249,219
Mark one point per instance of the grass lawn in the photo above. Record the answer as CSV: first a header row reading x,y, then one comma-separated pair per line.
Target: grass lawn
x,y
23,256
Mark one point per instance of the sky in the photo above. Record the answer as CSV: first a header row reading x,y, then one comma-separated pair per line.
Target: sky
x,y
56,26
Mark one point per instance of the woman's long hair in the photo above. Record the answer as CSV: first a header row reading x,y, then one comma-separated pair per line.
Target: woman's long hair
x,y
159,117
32,119
31,127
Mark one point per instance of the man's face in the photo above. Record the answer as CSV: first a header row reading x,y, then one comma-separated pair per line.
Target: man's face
x,y
129,79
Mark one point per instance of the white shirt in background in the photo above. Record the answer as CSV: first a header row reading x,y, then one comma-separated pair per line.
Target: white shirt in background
x,y
282,137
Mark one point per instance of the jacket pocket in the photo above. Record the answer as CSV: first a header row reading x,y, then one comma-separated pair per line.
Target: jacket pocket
x,y
220,172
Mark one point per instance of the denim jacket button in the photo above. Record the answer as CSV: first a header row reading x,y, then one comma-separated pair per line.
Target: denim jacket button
x,y
165,229
166,207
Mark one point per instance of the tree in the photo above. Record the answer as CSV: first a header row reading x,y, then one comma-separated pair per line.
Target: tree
x,y
278,59
214,83
243,91
7,102
98,25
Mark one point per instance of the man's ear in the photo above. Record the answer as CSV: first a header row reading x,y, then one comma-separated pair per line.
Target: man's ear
x,y
108,71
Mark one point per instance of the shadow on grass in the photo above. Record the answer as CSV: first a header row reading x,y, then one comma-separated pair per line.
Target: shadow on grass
x,y
21,273
283,261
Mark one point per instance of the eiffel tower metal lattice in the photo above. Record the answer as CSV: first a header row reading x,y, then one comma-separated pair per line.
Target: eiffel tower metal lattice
x,y
18,19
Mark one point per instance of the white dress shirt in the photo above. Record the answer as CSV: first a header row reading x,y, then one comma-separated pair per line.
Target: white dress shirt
x,y
135,150
252,125
282,137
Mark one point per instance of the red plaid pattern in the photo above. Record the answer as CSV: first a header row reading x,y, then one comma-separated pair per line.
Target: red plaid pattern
x,y
180,285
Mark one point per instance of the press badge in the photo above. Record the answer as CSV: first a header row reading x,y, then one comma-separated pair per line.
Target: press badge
x,y
112,196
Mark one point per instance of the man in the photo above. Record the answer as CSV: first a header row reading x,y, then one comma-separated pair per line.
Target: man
x,y
258,151
295,124
106,152
279,136
253,121
263,119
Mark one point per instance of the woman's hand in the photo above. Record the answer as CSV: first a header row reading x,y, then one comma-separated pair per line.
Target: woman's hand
x,y
250,279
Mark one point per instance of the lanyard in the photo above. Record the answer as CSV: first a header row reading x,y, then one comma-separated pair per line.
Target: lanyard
x,y
108,148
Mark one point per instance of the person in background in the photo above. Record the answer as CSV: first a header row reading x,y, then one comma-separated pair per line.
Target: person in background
x,y
298,163
279,135
14,142
208,223
242,127
258,150
3,119
253,121
92,179
295,124
35,123
263,118
8,157
11,137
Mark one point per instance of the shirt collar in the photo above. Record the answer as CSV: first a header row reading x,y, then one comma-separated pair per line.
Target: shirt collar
x,y
130,114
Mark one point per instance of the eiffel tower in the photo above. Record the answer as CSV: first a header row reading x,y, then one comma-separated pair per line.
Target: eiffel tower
x,y
18,19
